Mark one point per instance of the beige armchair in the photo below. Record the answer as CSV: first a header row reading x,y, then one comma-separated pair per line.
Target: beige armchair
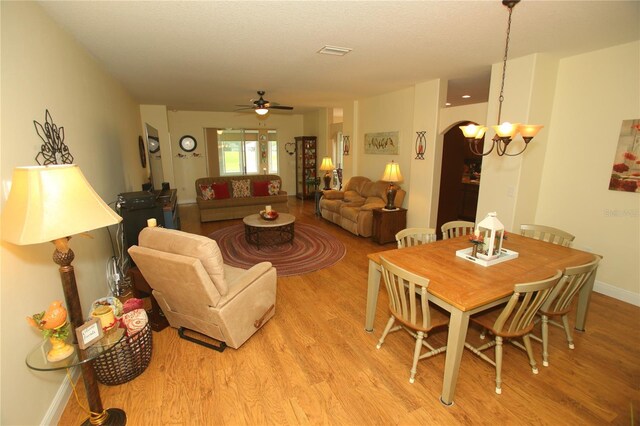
x,y
198,292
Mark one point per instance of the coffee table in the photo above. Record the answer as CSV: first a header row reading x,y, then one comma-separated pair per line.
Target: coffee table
x,y
259,231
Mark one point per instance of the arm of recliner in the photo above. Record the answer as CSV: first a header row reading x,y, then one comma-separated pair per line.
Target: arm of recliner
x,y
333,195
244,280
371,206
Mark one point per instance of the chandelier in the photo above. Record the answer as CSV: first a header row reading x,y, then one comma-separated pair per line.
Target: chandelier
x,y
506,131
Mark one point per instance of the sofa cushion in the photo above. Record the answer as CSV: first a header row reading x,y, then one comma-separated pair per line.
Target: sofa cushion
x,y
220,190
261,188
192,245
353,197
274,187
350,213
241,188
207,191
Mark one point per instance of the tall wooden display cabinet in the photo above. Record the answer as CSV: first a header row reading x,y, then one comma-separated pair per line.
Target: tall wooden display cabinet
x,y
305,166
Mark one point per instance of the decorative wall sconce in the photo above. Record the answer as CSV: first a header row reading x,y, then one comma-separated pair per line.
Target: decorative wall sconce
x,y
346,145
421,144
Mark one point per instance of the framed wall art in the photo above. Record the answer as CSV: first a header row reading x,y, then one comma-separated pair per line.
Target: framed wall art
x,y
381,143
625,172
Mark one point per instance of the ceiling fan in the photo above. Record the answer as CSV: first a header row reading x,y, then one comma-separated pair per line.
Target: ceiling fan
x,y
262,106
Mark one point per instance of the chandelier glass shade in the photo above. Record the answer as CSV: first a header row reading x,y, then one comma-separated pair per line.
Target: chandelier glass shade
x,y
505,132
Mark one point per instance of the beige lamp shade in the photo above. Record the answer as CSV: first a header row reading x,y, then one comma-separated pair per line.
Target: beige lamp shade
x,y
327,164
51,202
392,173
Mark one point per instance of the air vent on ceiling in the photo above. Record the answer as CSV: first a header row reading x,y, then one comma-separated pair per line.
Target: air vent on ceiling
x,y
334,50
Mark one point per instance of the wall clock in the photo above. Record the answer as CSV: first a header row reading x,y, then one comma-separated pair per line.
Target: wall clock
x,y
154,145
143,154
188,143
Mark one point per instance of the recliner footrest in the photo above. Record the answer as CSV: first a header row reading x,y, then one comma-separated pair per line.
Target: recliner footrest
x,y
221,347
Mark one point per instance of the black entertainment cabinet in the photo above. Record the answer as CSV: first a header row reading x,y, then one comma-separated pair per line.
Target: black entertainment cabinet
x,y
137,208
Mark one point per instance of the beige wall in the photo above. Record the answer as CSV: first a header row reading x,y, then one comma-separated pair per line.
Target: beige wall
x,y
385,113
594,93
43,67
187,170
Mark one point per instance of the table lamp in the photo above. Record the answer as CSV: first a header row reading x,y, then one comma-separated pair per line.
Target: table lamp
x,y
52,203
391,174
327,166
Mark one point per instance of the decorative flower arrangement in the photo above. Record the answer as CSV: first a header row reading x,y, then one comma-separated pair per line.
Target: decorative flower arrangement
x,y
477,239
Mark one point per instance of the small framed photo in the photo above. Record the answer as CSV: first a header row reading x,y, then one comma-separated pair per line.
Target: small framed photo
x,y
89,333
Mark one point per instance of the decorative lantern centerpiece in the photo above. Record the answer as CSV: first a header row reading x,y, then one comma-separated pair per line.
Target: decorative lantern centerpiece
x,y
492,232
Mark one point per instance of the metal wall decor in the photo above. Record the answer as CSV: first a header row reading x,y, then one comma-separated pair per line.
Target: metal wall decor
x,y
421,144
53,151
346,145
290,147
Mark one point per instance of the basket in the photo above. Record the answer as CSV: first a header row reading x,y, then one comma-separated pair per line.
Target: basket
x,y
127,360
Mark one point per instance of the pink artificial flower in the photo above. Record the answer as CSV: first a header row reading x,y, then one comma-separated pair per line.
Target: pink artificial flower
x,y
630,156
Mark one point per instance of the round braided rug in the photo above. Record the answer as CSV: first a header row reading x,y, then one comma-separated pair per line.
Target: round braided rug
x,y
311,249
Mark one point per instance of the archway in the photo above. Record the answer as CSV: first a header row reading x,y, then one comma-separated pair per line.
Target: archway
x,y
459,178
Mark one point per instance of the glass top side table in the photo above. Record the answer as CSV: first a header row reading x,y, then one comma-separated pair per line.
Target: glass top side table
x,y
37,358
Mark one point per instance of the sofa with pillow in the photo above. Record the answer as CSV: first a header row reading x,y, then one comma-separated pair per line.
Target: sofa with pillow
x,y
352,207
234,197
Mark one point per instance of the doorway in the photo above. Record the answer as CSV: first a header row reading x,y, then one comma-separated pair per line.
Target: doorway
x,y
459,179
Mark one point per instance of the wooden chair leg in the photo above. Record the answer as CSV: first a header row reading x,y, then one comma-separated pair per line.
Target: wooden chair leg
x,y
498,365
386,331
532,360
567,330
416,356
545,340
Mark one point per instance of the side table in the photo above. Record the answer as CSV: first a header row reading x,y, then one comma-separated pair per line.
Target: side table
x,y
141,289
386,223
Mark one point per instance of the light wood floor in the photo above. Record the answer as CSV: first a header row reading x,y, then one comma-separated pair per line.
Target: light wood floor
x,y
313,363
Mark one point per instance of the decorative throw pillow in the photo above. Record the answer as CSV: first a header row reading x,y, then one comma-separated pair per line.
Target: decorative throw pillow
x,y
207,191
241,188
261,188
135,321
274,187
221,190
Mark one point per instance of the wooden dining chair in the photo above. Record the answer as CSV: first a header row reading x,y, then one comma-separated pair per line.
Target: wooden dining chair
x,y
415,236
559,303
457,228
409,306
513,320
547,233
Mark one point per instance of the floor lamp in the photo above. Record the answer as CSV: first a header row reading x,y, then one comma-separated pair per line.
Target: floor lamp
x,y
52,203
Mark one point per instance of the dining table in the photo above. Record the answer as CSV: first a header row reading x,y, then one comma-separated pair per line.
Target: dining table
x,y
464,287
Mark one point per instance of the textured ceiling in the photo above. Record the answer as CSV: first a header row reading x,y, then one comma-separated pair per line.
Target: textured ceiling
x,y
212,55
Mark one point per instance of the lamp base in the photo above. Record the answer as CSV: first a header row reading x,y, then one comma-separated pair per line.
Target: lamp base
x,y
114,417
327,181
391,197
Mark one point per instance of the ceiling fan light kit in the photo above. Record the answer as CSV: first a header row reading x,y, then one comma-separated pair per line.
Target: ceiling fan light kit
x,y
262,106
506,131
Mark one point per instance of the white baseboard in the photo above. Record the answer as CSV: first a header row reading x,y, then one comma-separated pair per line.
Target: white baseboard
x,y
53,414
617,293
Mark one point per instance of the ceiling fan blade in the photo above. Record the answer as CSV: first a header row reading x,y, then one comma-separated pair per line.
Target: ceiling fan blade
x,y
244,109
281,107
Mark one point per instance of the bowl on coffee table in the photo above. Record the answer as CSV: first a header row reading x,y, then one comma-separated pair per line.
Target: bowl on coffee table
x,y
269,215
